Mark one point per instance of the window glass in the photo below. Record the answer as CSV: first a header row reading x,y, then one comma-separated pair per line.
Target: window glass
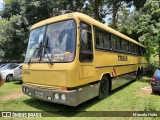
x,y
99,38
132,48
59,40
86,48
107,40
117,43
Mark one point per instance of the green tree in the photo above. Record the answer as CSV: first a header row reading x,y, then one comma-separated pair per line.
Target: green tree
x,y
115,5
13,39
11,7
144,25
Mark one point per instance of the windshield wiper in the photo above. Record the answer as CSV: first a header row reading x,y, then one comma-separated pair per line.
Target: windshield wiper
x,y
35,50
47,51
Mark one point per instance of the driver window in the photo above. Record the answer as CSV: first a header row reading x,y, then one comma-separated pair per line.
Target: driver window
x,y
86,47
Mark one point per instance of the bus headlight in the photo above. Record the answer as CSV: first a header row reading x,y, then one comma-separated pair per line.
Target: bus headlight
x,y
56,96
63,97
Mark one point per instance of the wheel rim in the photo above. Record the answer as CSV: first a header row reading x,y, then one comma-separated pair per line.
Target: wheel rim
x,y
10,78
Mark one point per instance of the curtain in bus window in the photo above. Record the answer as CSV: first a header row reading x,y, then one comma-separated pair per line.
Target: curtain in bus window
x,y
107,40
125,46
99,39
84,45
86,50
117,42
86,38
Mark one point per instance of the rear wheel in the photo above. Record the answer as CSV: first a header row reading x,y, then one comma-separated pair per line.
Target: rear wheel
x,y
138,75
154,91
9,78
141,73
104,88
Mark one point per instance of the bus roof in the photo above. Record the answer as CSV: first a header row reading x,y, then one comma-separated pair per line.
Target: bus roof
x,y
83,17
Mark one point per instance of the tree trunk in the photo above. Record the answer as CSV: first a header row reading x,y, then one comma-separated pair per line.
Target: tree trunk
x,y
114,14
114,17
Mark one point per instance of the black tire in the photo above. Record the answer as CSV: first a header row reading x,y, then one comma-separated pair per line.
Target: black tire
x,y
154,91
141,73
138,74
9,78
104,88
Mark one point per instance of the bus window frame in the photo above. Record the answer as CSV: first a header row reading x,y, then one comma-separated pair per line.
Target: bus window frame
x,y
76,26
103,31
84,22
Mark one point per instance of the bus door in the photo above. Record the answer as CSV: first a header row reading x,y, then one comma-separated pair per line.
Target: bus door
x,y
87,69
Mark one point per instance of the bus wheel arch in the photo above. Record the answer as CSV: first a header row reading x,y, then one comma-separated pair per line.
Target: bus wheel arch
x,y
105,86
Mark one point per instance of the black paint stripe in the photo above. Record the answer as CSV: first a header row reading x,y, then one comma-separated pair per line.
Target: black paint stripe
x,y
118,65
124,74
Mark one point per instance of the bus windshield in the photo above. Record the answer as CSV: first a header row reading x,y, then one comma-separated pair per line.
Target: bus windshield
x,y
54,42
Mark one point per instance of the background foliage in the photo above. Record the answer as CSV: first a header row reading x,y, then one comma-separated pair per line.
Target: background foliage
x,y
139,19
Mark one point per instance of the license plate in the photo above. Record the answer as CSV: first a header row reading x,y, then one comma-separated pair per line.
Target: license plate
x,y
38,94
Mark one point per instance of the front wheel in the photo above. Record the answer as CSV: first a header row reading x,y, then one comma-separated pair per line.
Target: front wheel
x,y
9,78
104,88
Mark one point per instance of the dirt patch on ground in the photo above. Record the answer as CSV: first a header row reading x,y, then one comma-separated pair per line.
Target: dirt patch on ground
x,y
15,95
145,91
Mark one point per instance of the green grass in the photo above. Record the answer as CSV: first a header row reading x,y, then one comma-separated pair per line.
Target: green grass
x,y
127,98
10,87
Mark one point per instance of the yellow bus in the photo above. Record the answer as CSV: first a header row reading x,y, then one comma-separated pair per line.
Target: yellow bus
x,y
72,58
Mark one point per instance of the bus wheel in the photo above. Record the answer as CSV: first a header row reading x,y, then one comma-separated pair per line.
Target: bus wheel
x,y
141,73
138,75
104,87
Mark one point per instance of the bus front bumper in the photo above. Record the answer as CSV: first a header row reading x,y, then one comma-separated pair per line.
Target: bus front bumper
x,y
71,97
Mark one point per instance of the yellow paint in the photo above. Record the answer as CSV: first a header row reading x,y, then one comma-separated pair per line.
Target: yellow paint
x,y
78,73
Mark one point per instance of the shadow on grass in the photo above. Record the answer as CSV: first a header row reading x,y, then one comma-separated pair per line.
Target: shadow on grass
x,y
60,110
156,93
17,82
145,80
121,87
66,111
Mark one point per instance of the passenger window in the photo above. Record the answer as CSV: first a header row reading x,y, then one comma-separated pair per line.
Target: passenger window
x,y
86,47
99,38
107,40
117,43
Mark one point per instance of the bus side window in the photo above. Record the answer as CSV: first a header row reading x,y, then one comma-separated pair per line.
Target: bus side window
x,y
86,47
107,41
117,43
99,38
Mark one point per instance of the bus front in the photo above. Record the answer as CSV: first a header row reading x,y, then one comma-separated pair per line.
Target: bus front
x,y
50,62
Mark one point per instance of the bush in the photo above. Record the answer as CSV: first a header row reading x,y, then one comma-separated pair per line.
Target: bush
x,y
150,70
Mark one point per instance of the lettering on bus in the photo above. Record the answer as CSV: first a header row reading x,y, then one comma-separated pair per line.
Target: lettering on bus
x,y
122,58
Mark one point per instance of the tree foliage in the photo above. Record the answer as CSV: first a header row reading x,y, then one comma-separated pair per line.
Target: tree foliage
x,y
144,25
12,7
115,5
19,15
13,38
